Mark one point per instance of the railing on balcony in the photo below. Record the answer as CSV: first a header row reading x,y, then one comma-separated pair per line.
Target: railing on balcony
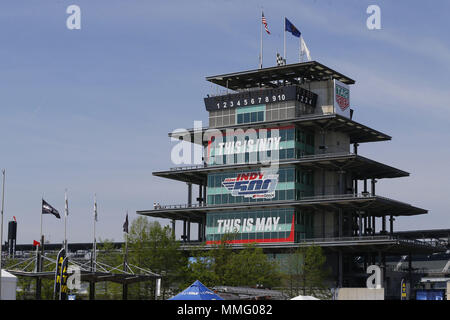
x,y
334,153
158,206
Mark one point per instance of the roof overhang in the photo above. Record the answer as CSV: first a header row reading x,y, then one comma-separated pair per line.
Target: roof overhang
x,y
389,245
365,205
357,132
361,168
268,77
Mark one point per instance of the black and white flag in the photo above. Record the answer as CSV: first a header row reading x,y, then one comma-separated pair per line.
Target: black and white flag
x,y
125,224
280,60
48,209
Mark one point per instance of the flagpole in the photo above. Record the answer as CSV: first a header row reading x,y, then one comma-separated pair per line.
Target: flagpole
x,y
300,58
94,246
41,216
261,46
284,43
1,232
65,220
125,258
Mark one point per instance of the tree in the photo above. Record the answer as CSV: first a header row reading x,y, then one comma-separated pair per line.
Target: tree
x,y
153,247
305,272
314,273
109,256
251,267
220,265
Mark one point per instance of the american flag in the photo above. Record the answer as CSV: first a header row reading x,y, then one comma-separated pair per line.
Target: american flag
x,y
264,22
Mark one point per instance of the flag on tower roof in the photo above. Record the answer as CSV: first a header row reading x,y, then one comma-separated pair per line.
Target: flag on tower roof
x,y
288,26
264,22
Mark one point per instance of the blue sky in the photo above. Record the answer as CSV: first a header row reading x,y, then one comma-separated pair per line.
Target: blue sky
x,y
89,110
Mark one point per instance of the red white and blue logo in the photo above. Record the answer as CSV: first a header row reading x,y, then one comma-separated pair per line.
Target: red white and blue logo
x,y
255,185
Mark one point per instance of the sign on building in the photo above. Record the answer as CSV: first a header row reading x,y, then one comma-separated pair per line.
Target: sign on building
x,y
341,99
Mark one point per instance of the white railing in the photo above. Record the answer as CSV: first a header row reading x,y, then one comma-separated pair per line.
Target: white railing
x,y
302,157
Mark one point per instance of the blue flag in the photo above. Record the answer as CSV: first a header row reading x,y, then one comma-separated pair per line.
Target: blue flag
x,y
288,26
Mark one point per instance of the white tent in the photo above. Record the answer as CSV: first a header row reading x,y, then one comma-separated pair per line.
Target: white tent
x,y
304,298
9,285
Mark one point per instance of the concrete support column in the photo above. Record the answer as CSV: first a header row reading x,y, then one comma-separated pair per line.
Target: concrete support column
x,y
173,228
351,224
360,224
323,146
382,265
383,224
204,194
323,182
373,225
341,182
184,231
355,148
391,220
365,225
200,199
189,194
323,223
204,228
340,269
188,230
373,186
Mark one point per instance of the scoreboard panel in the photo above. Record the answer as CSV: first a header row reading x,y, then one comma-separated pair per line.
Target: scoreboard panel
x,y
263,96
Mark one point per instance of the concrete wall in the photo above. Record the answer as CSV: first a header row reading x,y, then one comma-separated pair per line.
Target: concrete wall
x,y
448,291
324,90
360,294
335,141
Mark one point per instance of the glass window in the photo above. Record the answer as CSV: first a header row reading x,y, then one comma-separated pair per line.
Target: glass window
x,y
261,116
240,118
289,153
253,117
290,194
283,135
290,175
290,134
246,117
282,175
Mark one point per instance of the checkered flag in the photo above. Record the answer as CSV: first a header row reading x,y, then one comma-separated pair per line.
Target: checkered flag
x,y
280,60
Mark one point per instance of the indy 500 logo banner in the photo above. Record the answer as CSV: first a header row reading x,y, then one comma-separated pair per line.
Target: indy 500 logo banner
x,y
255,185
